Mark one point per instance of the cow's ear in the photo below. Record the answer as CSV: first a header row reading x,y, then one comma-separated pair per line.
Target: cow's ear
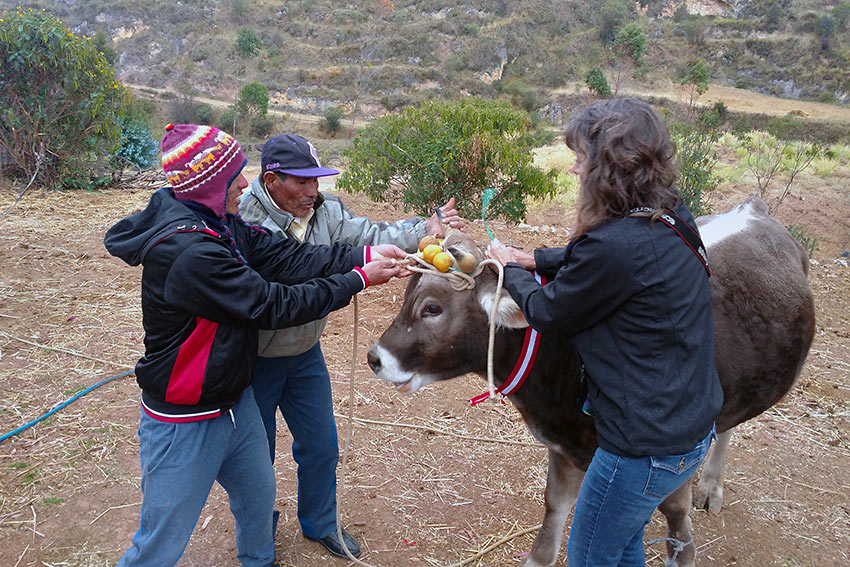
x,y
508,315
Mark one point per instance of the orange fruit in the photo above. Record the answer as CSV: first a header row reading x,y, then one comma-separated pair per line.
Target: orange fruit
x,y
427,240
430,251
442,261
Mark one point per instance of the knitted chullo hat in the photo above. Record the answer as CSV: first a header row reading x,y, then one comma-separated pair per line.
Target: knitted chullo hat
x,y
201,162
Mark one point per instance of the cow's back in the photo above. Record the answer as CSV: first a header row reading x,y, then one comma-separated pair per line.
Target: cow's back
x,y
763,308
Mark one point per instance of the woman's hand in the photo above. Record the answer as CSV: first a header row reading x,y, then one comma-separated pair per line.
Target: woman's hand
x,y
504,254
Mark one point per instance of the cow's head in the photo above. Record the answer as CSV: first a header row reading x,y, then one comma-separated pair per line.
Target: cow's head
x,y
441,333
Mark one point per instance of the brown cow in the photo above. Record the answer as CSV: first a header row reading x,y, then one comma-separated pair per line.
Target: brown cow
x,y
764,324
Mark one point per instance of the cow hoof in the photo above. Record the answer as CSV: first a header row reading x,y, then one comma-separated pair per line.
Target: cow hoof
x,y
530,562
709,497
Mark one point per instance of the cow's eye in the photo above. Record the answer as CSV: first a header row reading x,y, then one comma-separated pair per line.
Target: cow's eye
x,y
431,310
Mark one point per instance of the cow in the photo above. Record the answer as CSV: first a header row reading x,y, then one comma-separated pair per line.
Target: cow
x,y
763,326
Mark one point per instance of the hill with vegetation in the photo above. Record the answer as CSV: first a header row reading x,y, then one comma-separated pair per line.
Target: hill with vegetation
x,y
373,57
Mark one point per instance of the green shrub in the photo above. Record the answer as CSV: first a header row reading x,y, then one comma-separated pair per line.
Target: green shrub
x,y
697,155
332,120
204,114
248,44
61,100
137,145
425,155
597,83
261,126
253,98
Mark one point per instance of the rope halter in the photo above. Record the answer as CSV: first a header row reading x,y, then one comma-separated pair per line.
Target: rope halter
x,y
461,281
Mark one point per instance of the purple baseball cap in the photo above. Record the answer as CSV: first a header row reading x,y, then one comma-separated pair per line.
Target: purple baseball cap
x,y
293,155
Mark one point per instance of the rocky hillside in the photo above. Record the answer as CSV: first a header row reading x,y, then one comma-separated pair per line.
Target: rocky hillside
x,y
382,54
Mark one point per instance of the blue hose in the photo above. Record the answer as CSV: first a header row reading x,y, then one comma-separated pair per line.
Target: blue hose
x,y
63,404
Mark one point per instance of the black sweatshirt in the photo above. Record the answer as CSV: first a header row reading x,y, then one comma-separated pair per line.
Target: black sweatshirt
x,y
203,302
636,301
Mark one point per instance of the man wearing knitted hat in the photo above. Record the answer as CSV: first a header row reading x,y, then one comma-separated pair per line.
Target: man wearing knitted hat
x,y
291,373
209,283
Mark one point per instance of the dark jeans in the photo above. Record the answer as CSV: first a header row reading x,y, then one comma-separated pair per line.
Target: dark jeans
x,y
301,387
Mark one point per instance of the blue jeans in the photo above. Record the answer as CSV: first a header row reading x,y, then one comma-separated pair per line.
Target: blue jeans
x,y
301,387
180,462
616,501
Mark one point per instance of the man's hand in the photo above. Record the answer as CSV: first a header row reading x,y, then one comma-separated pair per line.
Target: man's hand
x,y
450,218
382,271
504,254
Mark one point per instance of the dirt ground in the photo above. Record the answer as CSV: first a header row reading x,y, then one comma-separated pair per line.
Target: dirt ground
x,y
429,480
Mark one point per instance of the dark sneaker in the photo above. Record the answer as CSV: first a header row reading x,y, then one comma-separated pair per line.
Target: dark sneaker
x,y
332,544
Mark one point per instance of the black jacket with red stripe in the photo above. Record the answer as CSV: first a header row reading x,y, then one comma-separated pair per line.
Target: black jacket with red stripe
x,y
203,300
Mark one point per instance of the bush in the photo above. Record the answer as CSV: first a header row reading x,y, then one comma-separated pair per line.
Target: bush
x,y
137,145
261,126
204,114
59,94
248,44
427,154
253,98
332,120
227,120
697,155
597,83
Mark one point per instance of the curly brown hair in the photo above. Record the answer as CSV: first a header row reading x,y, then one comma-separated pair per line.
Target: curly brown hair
x,y
629,161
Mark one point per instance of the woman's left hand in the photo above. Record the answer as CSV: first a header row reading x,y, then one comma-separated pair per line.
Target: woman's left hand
x,y
504,254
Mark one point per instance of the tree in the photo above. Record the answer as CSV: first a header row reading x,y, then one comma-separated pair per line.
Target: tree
x,y
253,98
628,50
695,82
248,44
62,106
427,154
596,82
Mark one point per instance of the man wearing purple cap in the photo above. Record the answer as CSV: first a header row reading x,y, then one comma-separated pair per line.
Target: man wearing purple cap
x,y
209,283
291,373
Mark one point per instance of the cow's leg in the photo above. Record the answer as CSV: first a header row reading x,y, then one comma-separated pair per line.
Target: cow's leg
x,y
681,551
562,485
710,489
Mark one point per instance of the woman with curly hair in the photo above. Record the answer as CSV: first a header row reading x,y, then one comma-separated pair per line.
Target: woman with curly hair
x,y
631,292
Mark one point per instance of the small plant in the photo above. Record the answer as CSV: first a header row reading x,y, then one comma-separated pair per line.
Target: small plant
x,y
801,235
53,501
332,120
248,44
697,154
137,145
767,157
597,83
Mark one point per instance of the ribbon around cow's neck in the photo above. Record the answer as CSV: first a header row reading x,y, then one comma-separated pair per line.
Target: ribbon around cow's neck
x,y
524,363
